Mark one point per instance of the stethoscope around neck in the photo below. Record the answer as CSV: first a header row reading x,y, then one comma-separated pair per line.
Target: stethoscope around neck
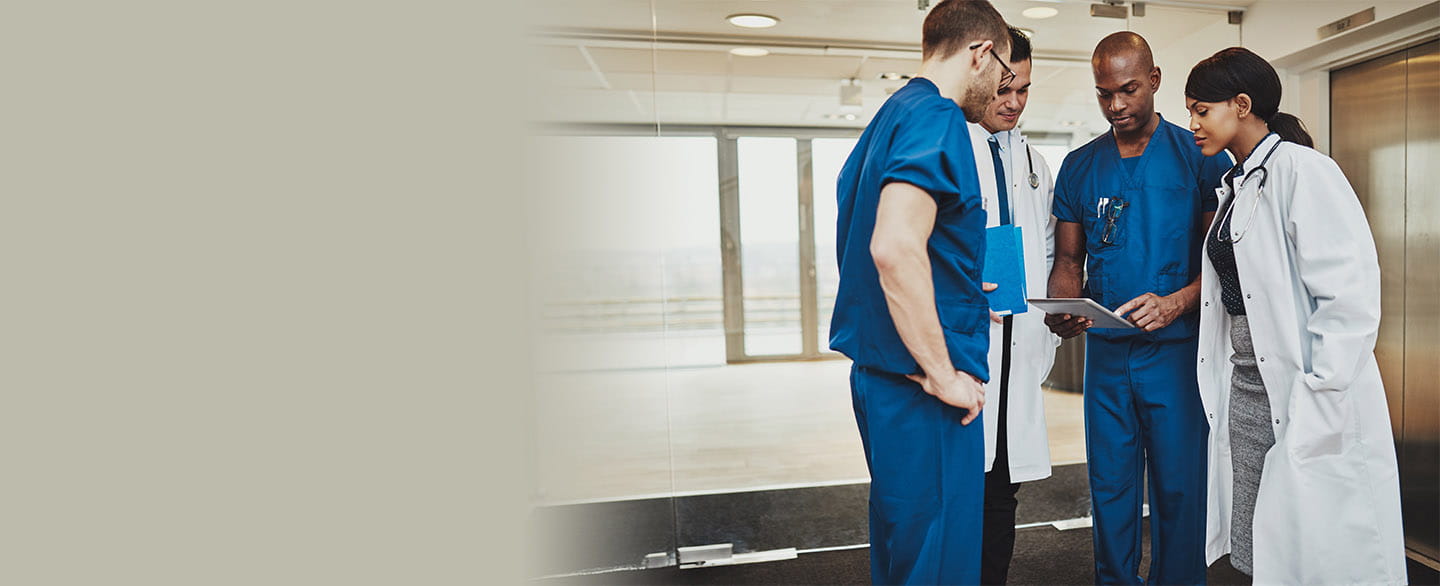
x,y
1032,178
1264,173
1030,165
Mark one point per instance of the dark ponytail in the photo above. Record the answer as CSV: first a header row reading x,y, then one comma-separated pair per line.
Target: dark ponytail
x,y
1290,129
1236,71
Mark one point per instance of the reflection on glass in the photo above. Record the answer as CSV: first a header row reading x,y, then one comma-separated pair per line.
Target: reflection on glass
x,y
828,156
770,245
625,232
632,274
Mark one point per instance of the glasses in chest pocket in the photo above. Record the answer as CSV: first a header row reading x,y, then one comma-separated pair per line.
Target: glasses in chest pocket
x,y
1112,210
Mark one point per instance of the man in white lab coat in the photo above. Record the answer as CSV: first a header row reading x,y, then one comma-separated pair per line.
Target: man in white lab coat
x,y
1022,348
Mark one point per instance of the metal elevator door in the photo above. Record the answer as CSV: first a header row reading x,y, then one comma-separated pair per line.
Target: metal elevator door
x,y
1385,135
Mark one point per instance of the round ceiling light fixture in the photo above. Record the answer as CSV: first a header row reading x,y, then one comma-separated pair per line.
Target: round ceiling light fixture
x,y
1039,12
749,51
752,20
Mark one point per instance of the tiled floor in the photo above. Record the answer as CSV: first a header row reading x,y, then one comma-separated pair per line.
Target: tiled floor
x,y
620,434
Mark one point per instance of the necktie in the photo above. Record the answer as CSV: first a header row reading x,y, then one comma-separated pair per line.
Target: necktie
x,y
1000,182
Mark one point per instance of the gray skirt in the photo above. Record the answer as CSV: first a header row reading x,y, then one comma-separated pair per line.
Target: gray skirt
x,y
1251,436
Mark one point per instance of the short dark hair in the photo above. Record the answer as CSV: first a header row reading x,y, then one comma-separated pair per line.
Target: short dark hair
x,y
1019,46
953,25
1236,71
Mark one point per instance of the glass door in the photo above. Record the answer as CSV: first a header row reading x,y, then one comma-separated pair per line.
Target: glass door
x,y
769,257
828,156
778,241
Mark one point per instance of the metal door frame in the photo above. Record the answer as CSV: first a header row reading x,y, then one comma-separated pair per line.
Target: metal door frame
x,y
731,240
732,276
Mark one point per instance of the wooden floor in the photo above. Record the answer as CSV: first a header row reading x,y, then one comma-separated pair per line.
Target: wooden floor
x,y
618,434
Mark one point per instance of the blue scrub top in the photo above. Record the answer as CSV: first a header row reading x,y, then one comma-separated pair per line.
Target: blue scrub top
x,y
917,137
1141,218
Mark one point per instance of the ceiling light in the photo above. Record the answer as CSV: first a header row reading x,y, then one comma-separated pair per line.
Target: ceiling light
x,y
1039,12
749,51
752,20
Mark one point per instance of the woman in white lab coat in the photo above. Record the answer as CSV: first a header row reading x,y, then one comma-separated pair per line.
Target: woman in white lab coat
x,y
1300,436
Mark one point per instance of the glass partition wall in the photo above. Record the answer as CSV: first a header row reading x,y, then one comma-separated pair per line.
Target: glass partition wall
x,y
682,224
621,283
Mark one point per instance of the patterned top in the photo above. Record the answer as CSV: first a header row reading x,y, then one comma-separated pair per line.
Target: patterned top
x,y
1222,255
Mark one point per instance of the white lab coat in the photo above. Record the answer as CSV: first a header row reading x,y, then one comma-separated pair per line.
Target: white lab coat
x,y
1328,511
1032,345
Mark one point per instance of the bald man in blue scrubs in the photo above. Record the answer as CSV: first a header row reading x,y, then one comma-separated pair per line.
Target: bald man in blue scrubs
x,y
1132,208
911,310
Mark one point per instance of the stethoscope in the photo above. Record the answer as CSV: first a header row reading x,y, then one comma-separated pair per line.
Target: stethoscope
x,y
1259,193
1032,178
1030,164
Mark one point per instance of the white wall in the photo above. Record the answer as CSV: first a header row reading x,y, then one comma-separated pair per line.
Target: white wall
x,y
1188,37
1276,28
1284,32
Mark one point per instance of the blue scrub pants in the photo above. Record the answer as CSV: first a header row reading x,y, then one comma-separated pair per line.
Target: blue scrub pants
x,y
1142,406
927,482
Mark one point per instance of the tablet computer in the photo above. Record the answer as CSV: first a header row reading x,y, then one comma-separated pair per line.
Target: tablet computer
x,y
1097,313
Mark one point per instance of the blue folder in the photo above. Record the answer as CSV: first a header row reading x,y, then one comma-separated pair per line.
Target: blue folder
x,y
1005,266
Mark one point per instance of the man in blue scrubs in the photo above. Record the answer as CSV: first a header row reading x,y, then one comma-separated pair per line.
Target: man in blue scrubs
x,y
911,310
1132,208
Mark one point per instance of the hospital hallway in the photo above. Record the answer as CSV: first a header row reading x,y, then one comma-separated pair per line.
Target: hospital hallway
x,y
768,464
768,459
692,424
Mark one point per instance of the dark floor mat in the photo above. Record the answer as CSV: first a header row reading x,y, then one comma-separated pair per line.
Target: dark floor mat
x,y
599,535
621,533
1043,555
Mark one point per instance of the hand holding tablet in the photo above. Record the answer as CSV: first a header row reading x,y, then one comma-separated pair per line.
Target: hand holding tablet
x,y
1087,308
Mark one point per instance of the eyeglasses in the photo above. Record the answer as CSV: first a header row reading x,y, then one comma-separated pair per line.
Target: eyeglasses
x,y
1006,76
1112,215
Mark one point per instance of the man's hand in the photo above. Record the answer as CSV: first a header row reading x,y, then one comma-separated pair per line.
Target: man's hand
x,y
1151,312
1066,325
962,390
988,287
